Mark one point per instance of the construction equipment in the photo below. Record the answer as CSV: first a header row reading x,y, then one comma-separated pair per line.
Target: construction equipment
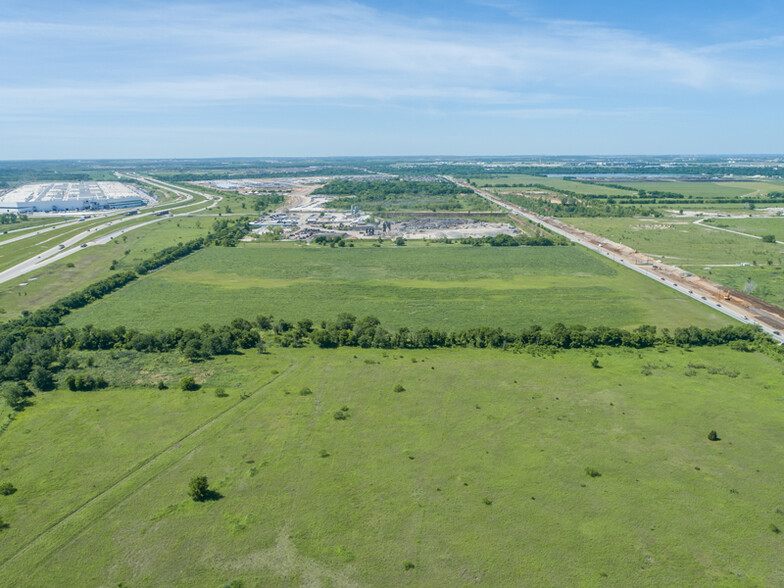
x,y
726,295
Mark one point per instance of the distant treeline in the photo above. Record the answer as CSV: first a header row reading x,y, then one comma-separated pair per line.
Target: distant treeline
x,y
504,240
9,218
384,189
431,195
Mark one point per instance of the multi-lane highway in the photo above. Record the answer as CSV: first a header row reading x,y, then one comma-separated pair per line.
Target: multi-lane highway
x,y
106,228
746,310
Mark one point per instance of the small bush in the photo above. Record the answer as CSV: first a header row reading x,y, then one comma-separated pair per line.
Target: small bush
x,y
399,388
188,383
595,362
408,565
6,489
774,528
339,415
713,436
593,472
162,385
323,453
221,393
487,501
305,391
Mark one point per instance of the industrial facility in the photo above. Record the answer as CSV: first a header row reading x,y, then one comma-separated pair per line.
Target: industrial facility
x,y
64,196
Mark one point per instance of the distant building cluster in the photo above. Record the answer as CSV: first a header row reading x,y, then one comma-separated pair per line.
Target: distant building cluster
x,y
64,196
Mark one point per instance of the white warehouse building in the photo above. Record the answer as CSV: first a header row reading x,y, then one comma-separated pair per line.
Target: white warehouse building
x,y
64,196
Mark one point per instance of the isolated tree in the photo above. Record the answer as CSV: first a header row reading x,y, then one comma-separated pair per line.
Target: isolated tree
x,y
188,383
199,488
7,488
713,436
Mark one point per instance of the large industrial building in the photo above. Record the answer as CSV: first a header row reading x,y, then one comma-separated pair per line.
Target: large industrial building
x,y
63,196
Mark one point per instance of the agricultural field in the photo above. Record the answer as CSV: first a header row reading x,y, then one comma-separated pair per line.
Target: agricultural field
x,y
476,472
555,184
707,190
434,285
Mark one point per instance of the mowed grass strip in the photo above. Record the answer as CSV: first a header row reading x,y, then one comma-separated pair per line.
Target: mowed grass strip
x,y
439,286
477,469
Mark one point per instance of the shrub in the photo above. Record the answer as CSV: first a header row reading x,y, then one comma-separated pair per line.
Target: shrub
x,y
339,415
323,453
595,362
774,528
42,378
188,383
221,393
305,391
487,501
399,388
408,565
713,436
6,489
593,472
162,385
199,488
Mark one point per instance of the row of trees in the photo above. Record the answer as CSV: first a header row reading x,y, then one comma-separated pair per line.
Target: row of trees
x,y
9,218
347,331
504,240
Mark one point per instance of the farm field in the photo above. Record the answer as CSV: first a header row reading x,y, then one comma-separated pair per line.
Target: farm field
x,y
439,286
698,189
44,286
555,184
476,472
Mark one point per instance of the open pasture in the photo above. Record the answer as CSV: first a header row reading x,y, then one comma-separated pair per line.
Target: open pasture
x,y
475,472
439,286
555,184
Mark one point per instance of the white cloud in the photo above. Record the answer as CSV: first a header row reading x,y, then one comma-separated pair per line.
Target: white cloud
x,y
191,54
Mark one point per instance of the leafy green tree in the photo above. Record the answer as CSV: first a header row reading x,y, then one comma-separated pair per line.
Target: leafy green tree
x,y
199,488
7,488
16,395
42,378
188,383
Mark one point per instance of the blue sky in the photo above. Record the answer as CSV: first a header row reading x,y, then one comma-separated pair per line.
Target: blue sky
x,y
87,79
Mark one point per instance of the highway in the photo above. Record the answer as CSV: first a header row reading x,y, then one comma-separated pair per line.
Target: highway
x,y
74,244
660,273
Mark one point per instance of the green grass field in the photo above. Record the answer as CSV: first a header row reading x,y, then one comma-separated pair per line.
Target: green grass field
x,y
752,225
681,241
474,474
697,189
440,286
53,281
555,184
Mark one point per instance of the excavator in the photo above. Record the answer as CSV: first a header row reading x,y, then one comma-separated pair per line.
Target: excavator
x,y
726,295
